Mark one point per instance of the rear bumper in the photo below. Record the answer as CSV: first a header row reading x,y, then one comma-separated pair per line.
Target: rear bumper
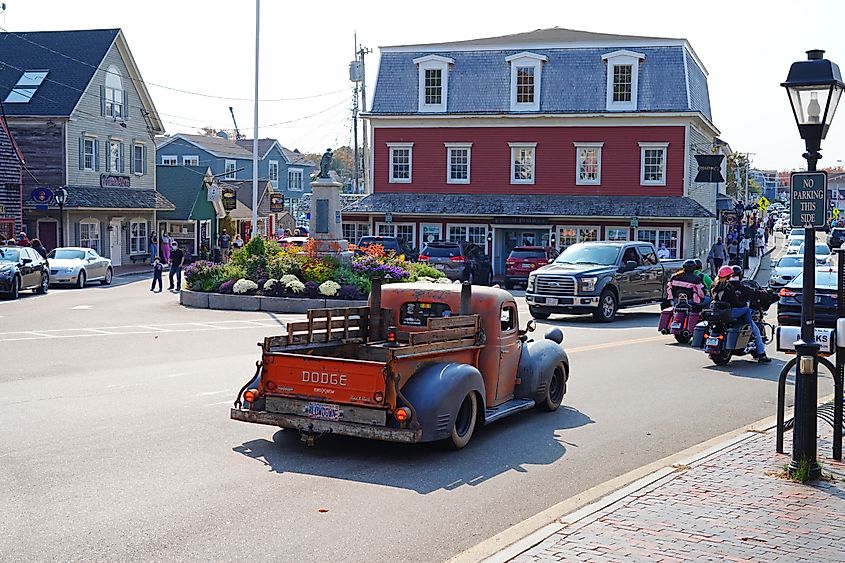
x,y
317,426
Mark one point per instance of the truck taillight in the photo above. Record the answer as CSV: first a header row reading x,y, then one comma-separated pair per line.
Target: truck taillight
x,y
378,396
423,258
250,395
457,258
787,293
402,414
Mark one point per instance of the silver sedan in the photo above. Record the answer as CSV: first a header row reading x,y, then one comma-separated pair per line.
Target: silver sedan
x,y
78,265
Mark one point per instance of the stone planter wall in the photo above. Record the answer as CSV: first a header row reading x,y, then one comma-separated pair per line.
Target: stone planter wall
x,y
259,303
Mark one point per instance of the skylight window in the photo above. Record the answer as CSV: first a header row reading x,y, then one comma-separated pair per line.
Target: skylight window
x,y
26,87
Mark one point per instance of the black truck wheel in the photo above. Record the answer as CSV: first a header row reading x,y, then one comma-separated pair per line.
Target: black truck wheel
x,y
555,390
465,420
538,314
607,308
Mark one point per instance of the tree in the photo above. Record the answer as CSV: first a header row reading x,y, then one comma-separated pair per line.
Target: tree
x,y
738,166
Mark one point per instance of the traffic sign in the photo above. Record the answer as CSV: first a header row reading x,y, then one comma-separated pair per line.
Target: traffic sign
x,y
809,199
635,222
763,203
835,212
388,217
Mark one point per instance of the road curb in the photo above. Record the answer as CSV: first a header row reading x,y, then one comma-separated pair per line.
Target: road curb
x,y
522,536
760,261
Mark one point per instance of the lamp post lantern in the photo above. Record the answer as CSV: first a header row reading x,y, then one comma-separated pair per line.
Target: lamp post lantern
x,y
814,87
61,199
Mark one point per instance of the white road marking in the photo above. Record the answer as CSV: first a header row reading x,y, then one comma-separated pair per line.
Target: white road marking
x,y
80,307
218,404
207,393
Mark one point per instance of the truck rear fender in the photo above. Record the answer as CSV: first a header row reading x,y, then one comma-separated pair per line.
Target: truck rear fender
x,y
537,364
254,383
436,392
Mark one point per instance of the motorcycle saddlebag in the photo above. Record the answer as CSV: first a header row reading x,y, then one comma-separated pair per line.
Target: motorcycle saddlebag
x,y
719,311
665,319
732,336
698,335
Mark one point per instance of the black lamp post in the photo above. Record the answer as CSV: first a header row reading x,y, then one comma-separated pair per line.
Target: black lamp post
x,y
814,87
61,199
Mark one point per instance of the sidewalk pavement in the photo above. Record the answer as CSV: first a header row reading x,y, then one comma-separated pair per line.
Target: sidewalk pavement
x,y
732,504
132,269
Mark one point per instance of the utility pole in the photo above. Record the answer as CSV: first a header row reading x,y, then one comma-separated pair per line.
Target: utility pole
x,y
362,52
354,76
254,229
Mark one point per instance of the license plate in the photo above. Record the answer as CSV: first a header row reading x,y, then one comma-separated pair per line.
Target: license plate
x,y
526,266
676,325
818,299
551,301
712,342
440,266
323,411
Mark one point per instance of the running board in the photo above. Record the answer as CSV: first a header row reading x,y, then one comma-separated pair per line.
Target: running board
x,y
505,409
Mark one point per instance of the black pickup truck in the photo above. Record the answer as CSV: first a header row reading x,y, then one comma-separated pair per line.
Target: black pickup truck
x,y
599,278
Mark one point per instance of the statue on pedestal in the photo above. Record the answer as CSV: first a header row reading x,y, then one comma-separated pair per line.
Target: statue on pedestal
x,y
325,164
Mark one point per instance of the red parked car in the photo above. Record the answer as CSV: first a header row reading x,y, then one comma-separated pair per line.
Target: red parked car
x,y
523,260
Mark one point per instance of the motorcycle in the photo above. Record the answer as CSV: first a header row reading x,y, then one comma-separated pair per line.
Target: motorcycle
x,y
722,337
679,320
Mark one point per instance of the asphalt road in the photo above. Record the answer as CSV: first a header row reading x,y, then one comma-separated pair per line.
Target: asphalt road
x,y
115,441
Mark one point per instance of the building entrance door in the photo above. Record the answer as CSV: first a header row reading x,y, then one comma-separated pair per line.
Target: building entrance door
x,y
115,243
48,233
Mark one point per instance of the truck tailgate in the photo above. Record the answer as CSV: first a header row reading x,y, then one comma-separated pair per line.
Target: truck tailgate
x,y
353,382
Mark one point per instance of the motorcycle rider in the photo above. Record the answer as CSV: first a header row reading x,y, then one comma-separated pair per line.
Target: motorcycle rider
x,y
686,282
729,288
705,277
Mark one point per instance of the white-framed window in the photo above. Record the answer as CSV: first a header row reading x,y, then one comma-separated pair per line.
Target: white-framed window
x,y
433,82
458,157
295,179
114,94
476,234
138,236
169,160
653,164
115,156
588,163
622,79
229,170
526,74
190,160
617,233
571,235
139,160
431,232
89,234
354,231
404,232
273,172
660,238
401,159
522,162
89,153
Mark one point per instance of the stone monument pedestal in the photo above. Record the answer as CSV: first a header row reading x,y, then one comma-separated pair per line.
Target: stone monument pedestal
x,y
325,223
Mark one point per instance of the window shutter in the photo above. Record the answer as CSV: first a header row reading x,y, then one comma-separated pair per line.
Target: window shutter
x,y
81,153
122,152
76,241
144,163
102,100
128,247
132,159
125,106
97,163
104,242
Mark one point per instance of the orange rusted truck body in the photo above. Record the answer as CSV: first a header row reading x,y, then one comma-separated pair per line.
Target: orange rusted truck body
x,y
422,362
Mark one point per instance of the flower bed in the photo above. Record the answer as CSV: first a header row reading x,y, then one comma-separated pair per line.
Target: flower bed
x,y
267,269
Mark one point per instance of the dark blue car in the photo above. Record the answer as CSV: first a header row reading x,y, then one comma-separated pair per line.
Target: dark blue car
x,y
789,304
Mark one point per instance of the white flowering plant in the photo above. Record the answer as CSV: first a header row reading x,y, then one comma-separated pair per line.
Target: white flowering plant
x,y
288,278
243,286
329,288
295,286
270,284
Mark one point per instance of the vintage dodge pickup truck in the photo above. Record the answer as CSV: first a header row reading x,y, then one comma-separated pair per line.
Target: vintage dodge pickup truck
x,y
423,362
599,278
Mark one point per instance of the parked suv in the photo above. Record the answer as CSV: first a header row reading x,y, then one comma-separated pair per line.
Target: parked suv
x,y
836,237
523,260
390,244
463,261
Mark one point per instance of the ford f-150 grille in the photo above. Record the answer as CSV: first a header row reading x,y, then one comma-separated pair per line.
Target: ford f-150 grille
x,y
548,284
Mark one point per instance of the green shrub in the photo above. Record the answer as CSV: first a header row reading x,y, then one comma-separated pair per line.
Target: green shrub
x,y
418,270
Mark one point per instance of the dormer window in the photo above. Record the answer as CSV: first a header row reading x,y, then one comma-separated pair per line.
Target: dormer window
x,y
622,78
433,82
526,71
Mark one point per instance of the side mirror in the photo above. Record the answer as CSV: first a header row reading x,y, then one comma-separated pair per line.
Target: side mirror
x,y
531,326
629,265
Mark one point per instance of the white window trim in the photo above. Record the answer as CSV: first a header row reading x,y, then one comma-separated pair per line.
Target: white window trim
x,y
433,62
233,174
96,224
269,168
393,229
171,158
410,147
578,180
191,157
625,228
676,230
86,138
578,229
439,230
623,58
449,147
143,161
526,59
514,147
483,245
110,163
643,147
301,173
144,240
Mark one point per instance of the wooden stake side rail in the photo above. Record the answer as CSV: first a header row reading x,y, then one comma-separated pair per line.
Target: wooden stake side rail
x,y
441,335
460,321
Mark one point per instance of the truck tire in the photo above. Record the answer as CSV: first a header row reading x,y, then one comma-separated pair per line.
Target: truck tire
x,y
555,390
465,421
538,314
608,305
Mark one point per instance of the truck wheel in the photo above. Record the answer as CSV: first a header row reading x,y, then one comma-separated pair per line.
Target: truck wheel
x,y
555,391
464,425
608,306
538,314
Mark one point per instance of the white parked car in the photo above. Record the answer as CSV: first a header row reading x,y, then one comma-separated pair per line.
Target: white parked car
x,y
822,252
786,270
795,234
794,245
77,266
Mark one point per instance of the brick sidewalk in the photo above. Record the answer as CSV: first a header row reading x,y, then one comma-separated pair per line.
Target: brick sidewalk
x,y
732,505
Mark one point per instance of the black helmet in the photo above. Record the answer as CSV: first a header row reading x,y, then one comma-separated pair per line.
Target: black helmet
x,y
698,264
689,266
737,271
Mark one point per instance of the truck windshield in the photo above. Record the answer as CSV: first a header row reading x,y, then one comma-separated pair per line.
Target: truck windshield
x,y
589,254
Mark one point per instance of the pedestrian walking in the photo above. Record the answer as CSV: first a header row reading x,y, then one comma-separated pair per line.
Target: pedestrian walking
x,y
717,256
23,240
761,244
238,243
153,247
177,257
39,248
165,247
224,242
744,249
733,251
158,269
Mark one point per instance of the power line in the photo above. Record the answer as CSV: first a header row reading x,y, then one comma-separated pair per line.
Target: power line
x,y
172,88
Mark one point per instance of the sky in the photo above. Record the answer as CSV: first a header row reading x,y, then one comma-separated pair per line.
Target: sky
x,y
197,56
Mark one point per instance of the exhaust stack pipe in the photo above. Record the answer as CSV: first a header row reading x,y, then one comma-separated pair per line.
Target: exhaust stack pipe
x,y
466,298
